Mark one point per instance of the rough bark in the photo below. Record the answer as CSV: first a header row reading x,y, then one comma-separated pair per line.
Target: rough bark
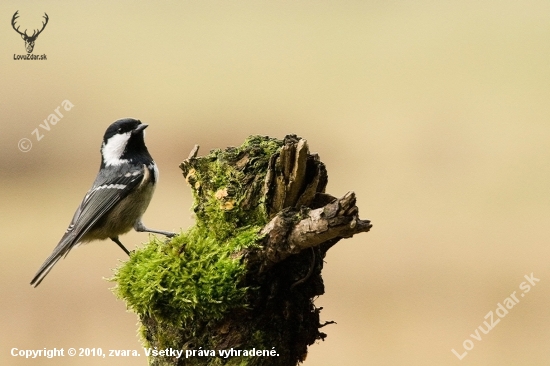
x,y
277,188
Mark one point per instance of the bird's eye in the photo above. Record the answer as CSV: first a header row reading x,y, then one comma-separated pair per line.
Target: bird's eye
x,y
119,130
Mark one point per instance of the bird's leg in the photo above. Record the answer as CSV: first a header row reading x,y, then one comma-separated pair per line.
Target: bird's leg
x,y
138,226
115,239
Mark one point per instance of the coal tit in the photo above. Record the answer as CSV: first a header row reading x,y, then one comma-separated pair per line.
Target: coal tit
x,y
119,196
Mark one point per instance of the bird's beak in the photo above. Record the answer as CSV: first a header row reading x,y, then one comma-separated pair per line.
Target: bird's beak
x,y
139,129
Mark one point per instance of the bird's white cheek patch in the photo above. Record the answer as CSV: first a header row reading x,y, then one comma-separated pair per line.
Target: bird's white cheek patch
x,y
114,148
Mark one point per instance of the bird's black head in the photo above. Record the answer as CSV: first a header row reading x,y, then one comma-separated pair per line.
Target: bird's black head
x,y
124,141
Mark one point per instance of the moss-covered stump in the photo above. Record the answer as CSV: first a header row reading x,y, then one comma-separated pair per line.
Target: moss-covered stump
x,y
238,287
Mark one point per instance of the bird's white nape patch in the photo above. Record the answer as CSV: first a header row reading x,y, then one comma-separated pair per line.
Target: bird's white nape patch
x,y
114,148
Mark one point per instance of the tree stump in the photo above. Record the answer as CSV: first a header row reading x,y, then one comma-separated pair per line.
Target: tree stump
x,y
238,287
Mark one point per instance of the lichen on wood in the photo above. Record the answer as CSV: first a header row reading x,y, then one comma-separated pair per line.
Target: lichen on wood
x,y
245,275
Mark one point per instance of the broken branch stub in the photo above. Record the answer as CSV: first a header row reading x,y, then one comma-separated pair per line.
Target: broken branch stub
x,y
339,219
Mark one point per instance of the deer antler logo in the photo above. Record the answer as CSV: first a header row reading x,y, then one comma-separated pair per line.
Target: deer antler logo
x,y
29,40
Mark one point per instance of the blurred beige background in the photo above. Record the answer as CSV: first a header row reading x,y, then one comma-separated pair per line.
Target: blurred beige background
x,y
436,113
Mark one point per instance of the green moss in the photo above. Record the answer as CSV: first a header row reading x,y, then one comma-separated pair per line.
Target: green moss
x,y
191,276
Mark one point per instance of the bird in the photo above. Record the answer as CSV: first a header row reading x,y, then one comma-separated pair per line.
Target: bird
x,y
119,195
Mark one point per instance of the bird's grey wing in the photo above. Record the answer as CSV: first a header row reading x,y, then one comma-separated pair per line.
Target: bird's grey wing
x,y
99,200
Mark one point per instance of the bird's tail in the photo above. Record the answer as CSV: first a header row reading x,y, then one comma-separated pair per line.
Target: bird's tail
x,y
61,250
